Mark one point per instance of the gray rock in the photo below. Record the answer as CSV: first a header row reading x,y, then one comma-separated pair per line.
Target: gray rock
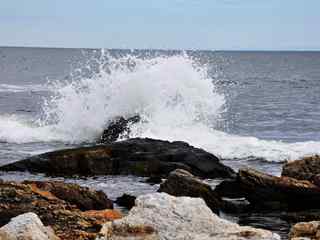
x,y
27,226
185,218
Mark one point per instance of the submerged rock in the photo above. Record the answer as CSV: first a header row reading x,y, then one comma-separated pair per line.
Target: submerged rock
x,y
183,183
182,218
138,156
27,226
304,169
66,219
117,127
305,231
126,201
271,192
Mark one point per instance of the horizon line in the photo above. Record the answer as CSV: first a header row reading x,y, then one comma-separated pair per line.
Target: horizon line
x,y
166,49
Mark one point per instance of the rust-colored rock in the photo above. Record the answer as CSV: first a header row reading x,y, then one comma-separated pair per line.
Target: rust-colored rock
x,y
104,215
83,197
65,218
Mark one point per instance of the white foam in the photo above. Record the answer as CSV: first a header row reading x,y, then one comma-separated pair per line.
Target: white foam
x,y
23,88
173,95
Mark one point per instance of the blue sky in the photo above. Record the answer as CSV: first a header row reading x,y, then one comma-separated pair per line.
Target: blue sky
x,y
162,24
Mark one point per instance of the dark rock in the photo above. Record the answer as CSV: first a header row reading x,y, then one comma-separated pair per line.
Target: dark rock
x,y
304,169
126,201
229,189
67,221
138,156
271,192
182,183
154,180
301,216
119,126
83,197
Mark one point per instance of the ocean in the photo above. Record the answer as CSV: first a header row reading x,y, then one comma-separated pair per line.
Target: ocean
x,y
255,109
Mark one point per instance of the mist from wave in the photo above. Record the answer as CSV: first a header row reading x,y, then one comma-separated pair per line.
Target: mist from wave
x,y
174,96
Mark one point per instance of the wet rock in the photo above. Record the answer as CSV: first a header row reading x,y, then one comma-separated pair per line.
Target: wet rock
x,y
119,126
154,180
83,197
184,218
304,169
271,192
305,230
301,216
67,221
27,226
126,200
183,183
138,156
229,189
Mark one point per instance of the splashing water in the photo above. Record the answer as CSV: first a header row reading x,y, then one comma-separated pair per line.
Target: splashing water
x,y
173,95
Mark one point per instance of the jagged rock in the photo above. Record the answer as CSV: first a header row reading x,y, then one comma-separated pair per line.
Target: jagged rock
x,y
27,226
139,156
304,169
305,230
182,183
83,197
68,221
119,126
271,192
184,218
126,201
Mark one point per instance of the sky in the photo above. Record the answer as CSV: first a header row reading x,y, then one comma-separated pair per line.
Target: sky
x,y
162,24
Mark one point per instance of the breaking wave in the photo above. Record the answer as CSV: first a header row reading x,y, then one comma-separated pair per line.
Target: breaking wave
x,y
173,95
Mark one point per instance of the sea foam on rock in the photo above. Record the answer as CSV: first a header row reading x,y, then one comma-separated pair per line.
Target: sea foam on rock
x,y
181,218
138,156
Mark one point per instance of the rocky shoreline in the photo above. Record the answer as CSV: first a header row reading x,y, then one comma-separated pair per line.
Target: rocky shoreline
x,y
185,206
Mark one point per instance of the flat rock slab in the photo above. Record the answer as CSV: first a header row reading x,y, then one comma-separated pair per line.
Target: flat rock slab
x,y
138,156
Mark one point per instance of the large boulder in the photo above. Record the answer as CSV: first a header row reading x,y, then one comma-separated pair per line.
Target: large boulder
x,y
139,156
66,219
27,226
271,192
182,183
183,218
305,231
304,169
119,126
